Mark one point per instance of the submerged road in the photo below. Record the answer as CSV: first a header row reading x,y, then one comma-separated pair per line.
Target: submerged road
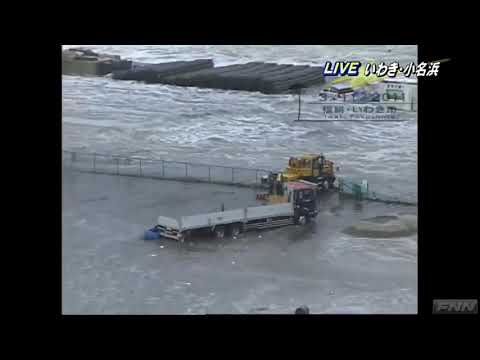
x,y
109,269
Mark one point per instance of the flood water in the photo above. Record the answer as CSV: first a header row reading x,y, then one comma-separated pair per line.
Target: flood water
x,y
107,268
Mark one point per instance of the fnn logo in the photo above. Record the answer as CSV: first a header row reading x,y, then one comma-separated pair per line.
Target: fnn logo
x,y
457,306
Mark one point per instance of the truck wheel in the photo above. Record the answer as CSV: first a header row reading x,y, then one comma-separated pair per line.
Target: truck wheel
x,y
186,236
299,220
235,229
330,183
302,220
325,185
220,232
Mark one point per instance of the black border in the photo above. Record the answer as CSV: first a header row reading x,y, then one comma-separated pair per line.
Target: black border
x,y
446,247
446,254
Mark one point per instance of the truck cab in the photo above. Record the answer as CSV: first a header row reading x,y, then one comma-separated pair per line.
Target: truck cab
x,y
304,200
303,196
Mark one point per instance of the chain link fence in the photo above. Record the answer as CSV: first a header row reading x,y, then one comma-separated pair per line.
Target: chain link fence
x,y
361,191
162,169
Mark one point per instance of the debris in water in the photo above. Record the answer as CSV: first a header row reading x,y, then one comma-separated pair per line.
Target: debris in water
x,y
161,246
187,283
153,254
233,262
331,292
259,236
80,222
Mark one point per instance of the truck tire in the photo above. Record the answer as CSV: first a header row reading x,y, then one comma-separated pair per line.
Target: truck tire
x,y
325,186
331,181
219,232
186,236
236,229
299,218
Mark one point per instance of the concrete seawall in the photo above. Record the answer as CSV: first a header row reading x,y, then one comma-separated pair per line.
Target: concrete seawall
x,y
268,78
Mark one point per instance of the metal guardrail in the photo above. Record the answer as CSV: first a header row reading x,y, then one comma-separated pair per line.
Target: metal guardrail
x,y
197,172
162,169
361,192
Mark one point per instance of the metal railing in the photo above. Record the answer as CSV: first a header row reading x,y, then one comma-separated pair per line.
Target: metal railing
x,y
360,192
196,172
162,169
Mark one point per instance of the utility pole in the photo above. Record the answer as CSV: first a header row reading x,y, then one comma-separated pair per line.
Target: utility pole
x,y
298,87
299,102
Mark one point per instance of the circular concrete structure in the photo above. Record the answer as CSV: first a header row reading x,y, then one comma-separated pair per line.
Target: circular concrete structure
x,y
390,226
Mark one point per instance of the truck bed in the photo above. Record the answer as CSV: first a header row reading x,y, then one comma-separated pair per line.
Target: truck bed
x,y
243,215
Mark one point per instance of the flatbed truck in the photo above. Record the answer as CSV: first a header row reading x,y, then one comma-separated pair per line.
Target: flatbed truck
x,y
299,207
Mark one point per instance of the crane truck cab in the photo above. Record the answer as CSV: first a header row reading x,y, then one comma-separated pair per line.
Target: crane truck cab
x,y
313,167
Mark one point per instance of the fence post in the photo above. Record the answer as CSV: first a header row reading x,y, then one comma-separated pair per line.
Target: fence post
x,y
94,162
232,175
74,157
118,164
141,167
256,176
209,178
186,170
163,168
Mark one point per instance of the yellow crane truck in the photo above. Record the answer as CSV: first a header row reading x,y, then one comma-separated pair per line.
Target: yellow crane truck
x,y
313,168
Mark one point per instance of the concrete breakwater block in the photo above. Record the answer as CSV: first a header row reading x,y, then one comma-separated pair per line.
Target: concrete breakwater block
x,y
206,78
78,61
269,78
154,73
254,76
